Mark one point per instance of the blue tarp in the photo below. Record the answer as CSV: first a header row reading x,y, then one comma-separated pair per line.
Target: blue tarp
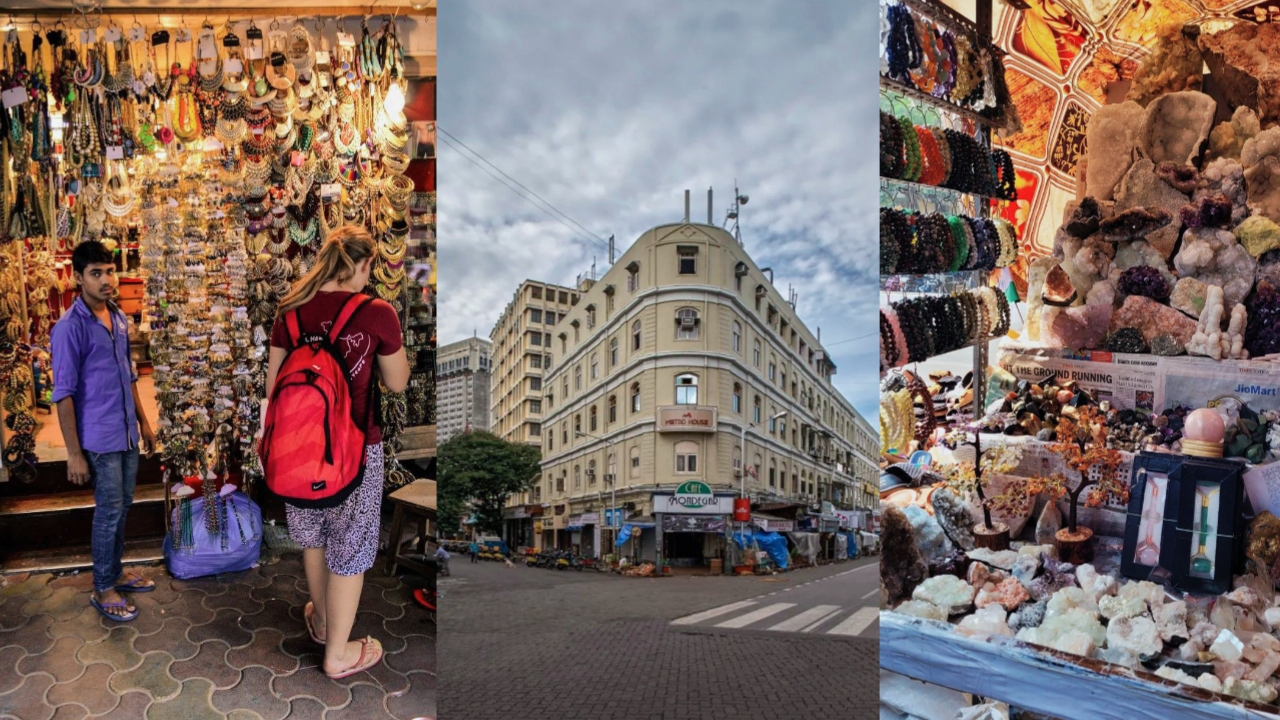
x,y
853,544
499,545
770,542
626,532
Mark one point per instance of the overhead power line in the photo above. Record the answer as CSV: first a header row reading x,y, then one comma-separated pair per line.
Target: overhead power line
x,y
551,210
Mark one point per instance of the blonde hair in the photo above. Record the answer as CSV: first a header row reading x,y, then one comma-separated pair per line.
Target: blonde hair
x,y
341,254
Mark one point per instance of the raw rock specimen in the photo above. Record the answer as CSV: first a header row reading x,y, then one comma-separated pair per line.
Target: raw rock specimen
x,y
1120,656
1036,273
1152,319
1057,289
1269,267
1055,577
1189,296
1056,626
1263,540
947,592
921,609
953,515
901,567
1086,261
988,620
1037,550
1171,619
1214,257
1261,161
1093,583
1139,252
1029,615
1114,606
1048,524
1175,125
1138,198
1110,141
1210,339
950,563
1139,634
1227,646
1262,335
1003,559
1025,568
1126,340
1225,176
1167,346
1243,60
1079,327
1083,220
1009,594
1183,178
1258,235
1228,137
930,540
1174,64
1249,689
1143,280
1207,211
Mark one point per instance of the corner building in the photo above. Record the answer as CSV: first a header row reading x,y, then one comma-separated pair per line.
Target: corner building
x,y
658,369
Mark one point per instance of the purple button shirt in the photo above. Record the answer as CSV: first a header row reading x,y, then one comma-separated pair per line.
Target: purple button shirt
x,y
91,365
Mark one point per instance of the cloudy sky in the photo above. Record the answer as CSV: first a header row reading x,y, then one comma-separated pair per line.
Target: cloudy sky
x,y
610,111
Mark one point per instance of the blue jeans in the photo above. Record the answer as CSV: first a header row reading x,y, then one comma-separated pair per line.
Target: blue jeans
x,y
114,476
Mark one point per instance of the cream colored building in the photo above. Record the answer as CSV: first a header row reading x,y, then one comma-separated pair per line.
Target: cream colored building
x,y
659,367
522,351
462,387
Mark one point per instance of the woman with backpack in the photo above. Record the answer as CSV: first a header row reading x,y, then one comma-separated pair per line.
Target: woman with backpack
x,y
322,446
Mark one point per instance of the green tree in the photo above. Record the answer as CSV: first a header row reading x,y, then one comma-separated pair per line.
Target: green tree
x,y
480,470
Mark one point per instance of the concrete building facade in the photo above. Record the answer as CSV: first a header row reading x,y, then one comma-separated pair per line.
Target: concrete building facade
x,y
463,371
681,349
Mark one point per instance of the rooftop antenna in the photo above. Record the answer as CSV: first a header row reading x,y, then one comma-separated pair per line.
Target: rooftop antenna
x,y
739,199
612,246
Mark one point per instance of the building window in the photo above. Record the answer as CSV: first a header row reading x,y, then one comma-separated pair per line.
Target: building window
x,y
613,352
551,440
535,383
595,366
635,397
577,423
687,389
686,324
737,461
546,339
635,462
795,484
773,425
737,398
535,339
564,343
536,292
577,336
688,260
535,406
593,418
591,316
755,411
591,473
635,335
535,429
565,388
773,472
611,469
565,435
773,370
577,378
535,362
560,483
550,318
535,315
755,353
737,336
686,457
613,409
633,277
782,380
577,477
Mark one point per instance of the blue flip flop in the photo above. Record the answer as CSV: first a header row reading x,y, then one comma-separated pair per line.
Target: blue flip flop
x,y
102,608
133,586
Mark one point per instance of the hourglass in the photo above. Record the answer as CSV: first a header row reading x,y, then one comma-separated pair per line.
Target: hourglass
x,y
1152,526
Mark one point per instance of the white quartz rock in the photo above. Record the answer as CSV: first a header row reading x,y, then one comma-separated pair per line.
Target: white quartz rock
x,y
989,620
1068,599
1003,559
1095,584
1272,616
1214,256
1172,673
1209,682
1114,606
921,609
1076,643
1138,634
1249,690
1074,620
1171,618
1227,646
946,591
1120,656
1036,551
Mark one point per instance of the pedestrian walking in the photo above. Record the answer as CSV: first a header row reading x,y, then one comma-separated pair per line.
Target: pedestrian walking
x,y
339,535
475,551
102,421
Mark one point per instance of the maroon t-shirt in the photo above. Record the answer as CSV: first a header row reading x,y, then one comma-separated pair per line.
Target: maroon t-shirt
x,y
373,330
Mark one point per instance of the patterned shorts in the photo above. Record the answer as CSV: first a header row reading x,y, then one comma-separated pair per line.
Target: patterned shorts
x,y
349,532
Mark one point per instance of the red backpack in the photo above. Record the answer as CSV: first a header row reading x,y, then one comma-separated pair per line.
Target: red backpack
x,y
312,450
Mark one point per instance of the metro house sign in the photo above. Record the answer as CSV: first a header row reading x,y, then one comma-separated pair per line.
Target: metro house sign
x,y
693,495
684,418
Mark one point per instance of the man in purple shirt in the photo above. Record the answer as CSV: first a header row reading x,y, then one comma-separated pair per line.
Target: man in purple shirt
x,y
100,414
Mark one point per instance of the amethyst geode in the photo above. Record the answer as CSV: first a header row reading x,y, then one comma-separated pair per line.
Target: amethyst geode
x,y
1262,333
1146,281
1208,211
1183,178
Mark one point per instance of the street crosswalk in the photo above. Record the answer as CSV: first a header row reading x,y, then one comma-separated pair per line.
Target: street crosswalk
x,y
784,617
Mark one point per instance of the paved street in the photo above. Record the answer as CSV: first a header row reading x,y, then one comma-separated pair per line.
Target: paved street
x,y
529,643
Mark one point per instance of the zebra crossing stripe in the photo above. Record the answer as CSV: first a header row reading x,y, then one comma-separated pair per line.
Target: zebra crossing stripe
x,y
825,618
857,622
756,615
805,618
712,613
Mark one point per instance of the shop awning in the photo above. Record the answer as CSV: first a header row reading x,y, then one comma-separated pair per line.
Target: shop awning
x,y
772,523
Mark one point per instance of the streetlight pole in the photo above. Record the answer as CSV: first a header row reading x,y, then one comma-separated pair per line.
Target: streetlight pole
x,y
613,487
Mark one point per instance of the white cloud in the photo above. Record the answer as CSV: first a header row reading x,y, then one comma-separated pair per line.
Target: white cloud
x,y
611,110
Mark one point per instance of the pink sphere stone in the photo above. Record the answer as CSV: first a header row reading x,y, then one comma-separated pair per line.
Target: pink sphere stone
x,y
1064,396
1204,425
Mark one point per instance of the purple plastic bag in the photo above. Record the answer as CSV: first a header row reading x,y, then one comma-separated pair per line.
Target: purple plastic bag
x,y
234,548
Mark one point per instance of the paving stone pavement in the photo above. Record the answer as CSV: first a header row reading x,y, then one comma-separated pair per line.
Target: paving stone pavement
x,y
542,645
233,647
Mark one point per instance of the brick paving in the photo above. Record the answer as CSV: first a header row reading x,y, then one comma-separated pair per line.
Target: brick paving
x,y
232,647
541,644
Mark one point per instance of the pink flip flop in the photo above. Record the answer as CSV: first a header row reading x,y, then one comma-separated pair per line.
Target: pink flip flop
x,y
307,612
362,664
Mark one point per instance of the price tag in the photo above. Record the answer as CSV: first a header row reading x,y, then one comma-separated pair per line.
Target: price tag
x,y
330,191
346,39
254,52
212,144
137,34
112,34
322,57
324,79
232,65
257,131
88,37
208,48
14,97
115,152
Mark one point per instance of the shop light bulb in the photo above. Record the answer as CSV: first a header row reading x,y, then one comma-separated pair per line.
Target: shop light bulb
x,y
394,102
